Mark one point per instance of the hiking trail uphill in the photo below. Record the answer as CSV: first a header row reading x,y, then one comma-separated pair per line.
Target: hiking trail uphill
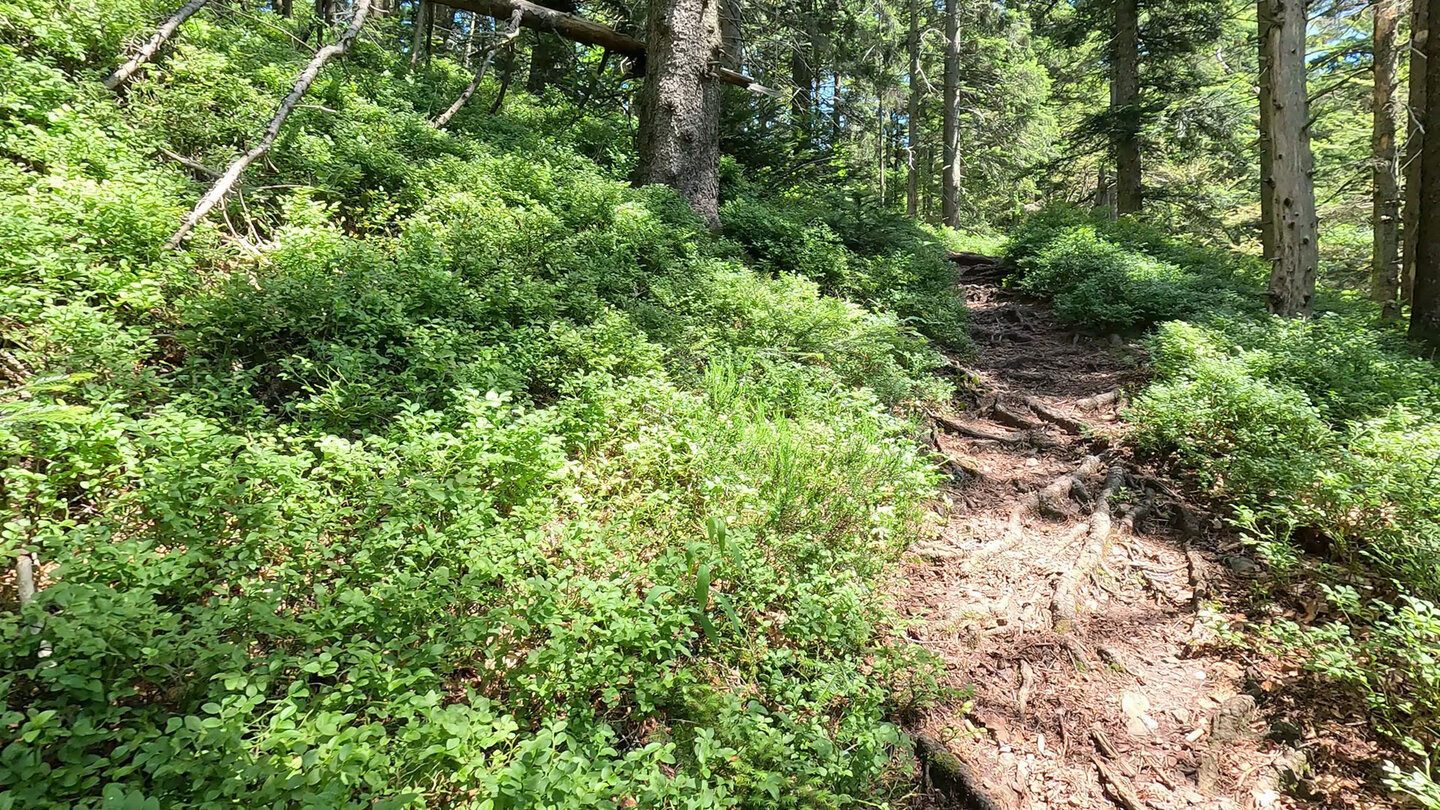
x,y
1066,583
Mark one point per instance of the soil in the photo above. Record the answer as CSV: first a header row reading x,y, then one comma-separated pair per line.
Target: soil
x,y
1077,620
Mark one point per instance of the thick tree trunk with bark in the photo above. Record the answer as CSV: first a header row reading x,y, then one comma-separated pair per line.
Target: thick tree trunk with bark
x,y
950,188
1124,106
1265,82
912,125
1414,142
1291,185
1385,261
679,136
1425,304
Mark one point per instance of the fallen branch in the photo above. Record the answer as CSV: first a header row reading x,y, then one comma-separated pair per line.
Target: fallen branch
x,y
587,32
307,77
162,35
444,118
1063,606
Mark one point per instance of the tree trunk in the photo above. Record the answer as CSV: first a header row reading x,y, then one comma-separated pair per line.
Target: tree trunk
x,y
1266,79
420,36
1414,142
1124,107
802,77
1385,261
1292,281
679,134
950,193
912,122
732,40
1425,304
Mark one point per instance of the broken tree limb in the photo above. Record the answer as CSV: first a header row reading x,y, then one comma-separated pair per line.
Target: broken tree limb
x,y
147,51
980,433
489,55
302,84
1098,401
587,32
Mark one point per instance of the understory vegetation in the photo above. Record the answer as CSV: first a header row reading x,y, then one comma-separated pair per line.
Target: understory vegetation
x,y
1320,433
461,474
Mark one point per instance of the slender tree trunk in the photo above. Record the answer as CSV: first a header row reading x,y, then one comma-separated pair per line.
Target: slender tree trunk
x,y
1292,281
1124,106
420,36
912,122
802,77
1425,303
732,39
1385,262
1414,142
950,194
1263,16
679,134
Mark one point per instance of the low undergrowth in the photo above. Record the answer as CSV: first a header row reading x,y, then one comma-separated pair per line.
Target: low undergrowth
x,y
1319,433
444,468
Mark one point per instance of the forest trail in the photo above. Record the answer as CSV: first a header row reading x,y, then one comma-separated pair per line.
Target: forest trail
x,y
1063,584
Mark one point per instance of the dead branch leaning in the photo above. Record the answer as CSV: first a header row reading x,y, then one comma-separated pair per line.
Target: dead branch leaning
x,y
490,51
147,51
302,84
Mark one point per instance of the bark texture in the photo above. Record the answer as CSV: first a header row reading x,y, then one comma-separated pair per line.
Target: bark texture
x,y
420,34
1385,261
1124,107
1425,311
1265,82
912,124
679,136
302,84
1291,185
1414,142
950,170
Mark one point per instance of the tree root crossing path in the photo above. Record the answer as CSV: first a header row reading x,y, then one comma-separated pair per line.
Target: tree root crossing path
x,y
1065,588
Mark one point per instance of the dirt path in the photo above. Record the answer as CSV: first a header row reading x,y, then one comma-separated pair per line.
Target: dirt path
x,y
1065,584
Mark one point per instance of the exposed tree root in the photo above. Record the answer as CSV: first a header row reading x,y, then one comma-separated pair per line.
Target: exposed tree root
x,y
947,774
1063,607
1119,787
1002,414
1098,401
1072,426
979,433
